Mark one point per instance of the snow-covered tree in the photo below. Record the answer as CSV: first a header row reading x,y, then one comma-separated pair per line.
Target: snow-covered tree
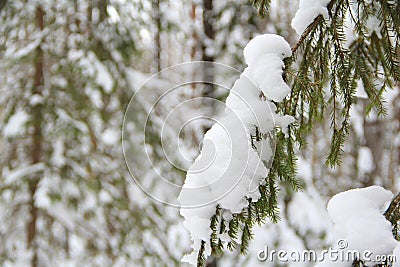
x,y
66,194
68,70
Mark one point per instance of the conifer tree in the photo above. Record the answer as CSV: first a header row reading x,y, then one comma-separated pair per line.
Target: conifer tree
x,y
64,191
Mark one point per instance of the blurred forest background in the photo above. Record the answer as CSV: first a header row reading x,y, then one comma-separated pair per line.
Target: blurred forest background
x,y
67,72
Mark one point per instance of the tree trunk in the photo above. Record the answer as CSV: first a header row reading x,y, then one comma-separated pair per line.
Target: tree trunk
x,y
36,143
157,38
209,35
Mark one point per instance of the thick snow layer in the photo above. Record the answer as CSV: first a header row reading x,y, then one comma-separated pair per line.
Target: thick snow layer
x,y
396,253
266,44
358,218
264,55
230,167
307,12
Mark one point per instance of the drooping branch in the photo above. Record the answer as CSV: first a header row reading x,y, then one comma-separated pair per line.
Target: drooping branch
x,y
311,28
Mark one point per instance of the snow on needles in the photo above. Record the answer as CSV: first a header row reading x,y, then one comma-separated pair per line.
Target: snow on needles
x,y
308,10
231,167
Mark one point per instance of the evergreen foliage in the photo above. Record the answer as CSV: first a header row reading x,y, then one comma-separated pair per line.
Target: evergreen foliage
x,y
67,68
262,6
43,47
392,214
371,58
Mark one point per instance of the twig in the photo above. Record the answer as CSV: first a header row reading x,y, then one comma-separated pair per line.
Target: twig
x,y
305,34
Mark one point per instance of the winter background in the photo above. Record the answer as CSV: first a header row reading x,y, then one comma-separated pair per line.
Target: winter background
x,y
68,72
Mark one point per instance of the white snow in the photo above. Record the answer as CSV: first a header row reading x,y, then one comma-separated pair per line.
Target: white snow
x,y
93,66
365,160
111,136
396,253
372,24
42,198
16,123
89,203
113,13
360,93
105,197
57,158
357,121
266,44
358,218
349,31
307,12
36,99
14,175
103,77
229,170
77,245
306,210
24,51
264,55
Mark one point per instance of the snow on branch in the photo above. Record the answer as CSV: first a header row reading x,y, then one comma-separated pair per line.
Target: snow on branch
x,y
236,151
307,12
362,210
360,223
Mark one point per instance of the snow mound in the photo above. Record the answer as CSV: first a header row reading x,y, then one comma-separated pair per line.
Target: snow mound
x,y
358,218
307,12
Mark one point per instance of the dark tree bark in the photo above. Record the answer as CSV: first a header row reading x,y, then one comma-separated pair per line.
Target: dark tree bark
x,y
36,151
209,36
157,38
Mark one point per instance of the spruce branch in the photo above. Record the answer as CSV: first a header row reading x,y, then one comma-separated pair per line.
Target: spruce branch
x,y
311,28
262,6
326,61
201,259
307,32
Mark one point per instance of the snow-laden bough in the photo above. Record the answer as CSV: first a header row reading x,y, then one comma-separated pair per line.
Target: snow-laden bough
x,y
307,12
232,165
361,225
